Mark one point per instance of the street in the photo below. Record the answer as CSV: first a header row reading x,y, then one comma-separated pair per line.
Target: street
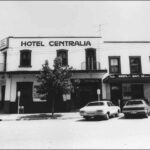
x,y
76,133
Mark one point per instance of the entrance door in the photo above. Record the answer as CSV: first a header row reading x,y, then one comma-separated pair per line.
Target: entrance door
x,y
2,96
86,91
116,93
137,91
26,95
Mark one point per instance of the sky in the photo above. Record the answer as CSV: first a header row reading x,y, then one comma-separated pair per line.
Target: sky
x,y
113,20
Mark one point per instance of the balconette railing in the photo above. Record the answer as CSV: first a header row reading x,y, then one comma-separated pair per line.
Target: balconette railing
x,y
95,65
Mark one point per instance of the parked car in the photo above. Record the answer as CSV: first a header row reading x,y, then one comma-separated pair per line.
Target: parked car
x,y
99,109
136,107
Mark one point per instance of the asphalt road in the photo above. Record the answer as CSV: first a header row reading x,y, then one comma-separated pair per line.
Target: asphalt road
x,y
76,133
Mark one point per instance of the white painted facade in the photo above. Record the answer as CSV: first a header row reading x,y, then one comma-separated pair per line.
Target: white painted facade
x,y
124,50
76,54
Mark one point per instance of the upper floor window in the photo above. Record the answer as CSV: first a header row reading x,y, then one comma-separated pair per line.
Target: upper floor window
x,y
91,59
114,64
135,64
63,54
25,58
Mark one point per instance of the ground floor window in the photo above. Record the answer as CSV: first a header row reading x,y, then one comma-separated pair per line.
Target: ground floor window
x,y
132,91
126,91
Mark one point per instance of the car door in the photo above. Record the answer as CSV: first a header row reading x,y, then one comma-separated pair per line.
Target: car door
x,y
113,108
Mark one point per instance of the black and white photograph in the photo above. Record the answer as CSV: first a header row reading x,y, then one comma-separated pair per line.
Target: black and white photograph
x,y
74,74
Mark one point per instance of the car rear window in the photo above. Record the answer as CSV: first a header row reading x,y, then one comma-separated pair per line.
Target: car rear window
x,y
134,102
96,104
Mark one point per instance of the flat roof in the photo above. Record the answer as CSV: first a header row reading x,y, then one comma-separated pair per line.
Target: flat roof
x,y
54,37
126,41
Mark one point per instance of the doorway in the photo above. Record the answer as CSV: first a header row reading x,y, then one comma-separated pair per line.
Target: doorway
x,y
26,95
116,93
2,96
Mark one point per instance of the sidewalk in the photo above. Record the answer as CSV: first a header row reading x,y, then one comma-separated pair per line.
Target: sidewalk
x,y
39,116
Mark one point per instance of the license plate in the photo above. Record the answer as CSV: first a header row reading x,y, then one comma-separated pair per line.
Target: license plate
x,y
90,113
133,112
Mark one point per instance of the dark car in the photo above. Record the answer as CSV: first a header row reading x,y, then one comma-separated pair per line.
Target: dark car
x,y
136,107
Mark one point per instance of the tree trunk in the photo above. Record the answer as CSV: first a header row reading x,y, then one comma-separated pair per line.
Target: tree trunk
x,y
53,104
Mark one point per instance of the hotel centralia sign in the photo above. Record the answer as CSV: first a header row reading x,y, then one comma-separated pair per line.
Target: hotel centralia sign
x,y
52,43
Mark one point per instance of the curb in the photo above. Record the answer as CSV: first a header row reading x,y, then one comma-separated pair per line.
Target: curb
x,y
44,116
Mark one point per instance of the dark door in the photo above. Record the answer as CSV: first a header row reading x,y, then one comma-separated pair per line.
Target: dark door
x,y
26,95
116,93
86,91
2,96
137,91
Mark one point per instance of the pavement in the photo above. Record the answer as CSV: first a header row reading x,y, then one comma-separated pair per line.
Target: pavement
x,y
42,116
39,116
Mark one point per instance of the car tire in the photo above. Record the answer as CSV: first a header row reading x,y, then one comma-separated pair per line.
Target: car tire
x,y
106,116
146,115
117,114
126,115
86,118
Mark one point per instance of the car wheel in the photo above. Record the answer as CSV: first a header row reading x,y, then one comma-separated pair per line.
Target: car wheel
x,y
86,118
146,115
126,115
106,116
117,114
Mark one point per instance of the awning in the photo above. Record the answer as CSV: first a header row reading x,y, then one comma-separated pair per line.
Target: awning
x,y
127,78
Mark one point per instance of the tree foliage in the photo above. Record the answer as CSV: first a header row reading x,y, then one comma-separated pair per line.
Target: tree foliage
x,y
54,80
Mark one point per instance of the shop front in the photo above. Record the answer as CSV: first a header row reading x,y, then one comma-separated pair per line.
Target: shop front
x,y
86,84
124,87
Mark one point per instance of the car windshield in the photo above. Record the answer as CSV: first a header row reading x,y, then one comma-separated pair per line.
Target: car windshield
x,y
96,104
134,102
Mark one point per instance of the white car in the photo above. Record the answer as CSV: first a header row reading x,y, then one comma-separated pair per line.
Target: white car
x,y
136,107
99,109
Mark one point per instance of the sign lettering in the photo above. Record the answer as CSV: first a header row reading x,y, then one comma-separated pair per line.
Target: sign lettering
x,y
55,43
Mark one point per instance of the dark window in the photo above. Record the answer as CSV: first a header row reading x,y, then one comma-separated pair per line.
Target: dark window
x,y
5,60
137,91
114,65
25,58
135,64
63,54
90,59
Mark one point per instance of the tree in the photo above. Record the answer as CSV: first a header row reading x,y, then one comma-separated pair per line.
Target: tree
x,y
54,80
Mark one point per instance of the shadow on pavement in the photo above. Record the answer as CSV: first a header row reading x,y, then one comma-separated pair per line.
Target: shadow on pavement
x,y
132,117
93,119
39,117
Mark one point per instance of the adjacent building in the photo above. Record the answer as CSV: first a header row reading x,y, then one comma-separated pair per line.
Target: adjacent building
x,y
128,65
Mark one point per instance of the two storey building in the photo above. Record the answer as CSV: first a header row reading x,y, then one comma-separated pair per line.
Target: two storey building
x,y
21,59
128,65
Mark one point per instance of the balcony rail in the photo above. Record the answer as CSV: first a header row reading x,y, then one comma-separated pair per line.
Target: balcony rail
x,y
90,66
